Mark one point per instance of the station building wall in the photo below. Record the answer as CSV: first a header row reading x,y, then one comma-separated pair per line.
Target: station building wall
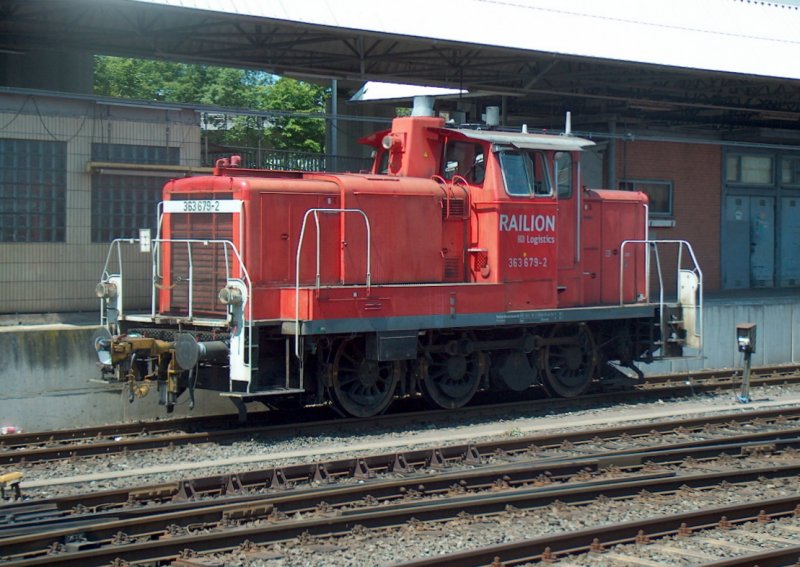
x,y
684,183
58,210
77,171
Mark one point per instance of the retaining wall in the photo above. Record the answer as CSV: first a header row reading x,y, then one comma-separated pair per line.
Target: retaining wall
x,y
777,340
50,380
49,373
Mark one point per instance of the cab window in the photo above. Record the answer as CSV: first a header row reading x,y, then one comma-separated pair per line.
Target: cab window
x,y
465,159
525,173
381,160
564,175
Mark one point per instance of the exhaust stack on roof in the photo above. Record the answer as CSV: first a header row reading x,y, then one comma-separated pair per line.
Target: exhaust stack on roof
x,y
423,106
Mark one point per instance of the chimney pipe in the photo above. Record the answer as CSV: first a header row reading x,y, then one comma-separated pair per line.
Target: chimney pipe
x,y
423,106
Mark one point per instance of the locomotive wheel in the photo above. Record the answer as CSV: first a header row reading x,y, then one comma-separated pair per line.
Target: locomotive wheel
x,y
449,382
361,387
569,366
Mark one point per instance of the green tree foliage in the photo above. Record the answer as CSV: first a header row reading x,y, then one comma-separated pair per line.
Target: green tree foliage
x,y
145,79
293,131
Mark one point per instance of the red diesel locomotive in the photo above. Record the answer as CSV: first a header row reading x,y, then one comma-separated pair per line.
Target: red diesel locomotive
x,y
466,259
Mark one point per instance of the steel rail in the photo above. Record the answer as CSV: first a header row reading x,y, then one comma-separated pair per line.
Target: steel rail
x,y
545,474
16,440
204,530
570,543
772,558
13,447
541,471
289,476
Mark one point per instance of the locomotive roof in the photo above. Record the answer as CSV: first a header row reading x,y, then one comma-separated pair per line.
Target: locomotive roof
x,y
524,140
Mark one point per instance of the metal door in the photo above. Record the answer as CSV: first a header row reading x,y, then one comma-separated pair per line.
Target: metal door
x,y
736,239
762,241
790,242
749,239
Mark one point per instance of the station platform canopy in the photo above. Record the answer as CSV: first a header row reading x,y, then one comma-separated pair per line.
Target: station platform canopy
x,y
731,36
720,63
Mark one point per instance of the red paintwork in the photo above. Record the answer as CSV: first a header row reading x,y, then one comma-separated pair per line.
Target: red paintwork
x,y
488,252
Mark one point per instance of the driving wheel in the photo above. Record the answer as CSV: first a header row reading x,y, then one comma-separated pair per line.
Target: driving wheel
x,y
569,360
361,387
450,381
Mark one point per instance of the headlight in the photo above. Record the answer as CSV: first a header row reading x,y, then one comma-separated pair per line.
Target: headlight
x,y
391,142
231,295
106,290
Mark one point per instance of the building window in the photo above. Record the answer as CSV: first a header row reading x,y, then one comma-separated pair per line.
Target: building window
x,y
122,204
132,153
33,186
790,170
659,193
749,170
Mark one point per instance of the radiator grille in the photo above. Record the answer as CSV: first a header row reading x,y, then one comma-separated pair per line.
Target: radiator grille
x,y
451,269
457,209
208,262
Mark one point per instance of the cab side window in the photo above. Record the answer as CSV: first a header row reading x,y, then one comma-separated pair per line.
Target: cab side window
x,y
466,159
382,161
525,173
564,175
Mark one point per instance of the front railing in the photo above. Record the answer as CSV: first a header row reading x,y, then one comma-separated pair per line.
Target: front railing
x,y
230,253
238,316
114,277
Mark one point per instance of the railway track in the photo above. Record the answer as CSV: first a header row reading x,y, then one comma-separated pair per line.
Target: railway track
x,y
693,430
668,540
30,448
525,474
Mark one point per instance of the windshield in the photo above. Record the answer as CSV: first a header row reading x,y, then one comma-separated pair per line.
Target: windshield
x,y
525,173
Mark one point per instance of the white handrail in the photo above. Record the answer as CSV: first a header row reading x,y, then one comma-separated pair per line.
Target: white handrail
x,y
115,244
191,278
654,244
316,212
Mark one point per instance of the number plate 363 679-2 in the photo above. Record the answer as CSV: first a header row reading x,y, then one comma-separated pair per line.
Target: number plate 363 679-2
x,y
201,207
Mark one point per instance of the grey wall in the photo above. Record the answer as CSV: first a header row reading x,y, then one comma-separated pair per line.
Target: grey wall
x,y
50,380
778,340
41,277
